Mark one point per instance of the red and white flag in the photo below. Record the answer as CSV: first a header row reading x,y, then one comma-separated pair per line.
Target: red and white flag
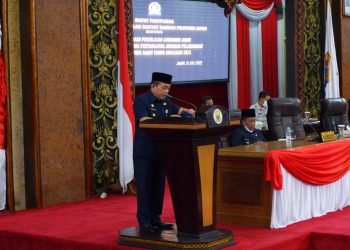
x,y
3,93
331,73
126,120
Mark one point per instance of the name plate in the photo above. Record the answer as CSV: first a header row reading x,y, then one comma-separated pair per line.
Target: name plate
x,y
328,136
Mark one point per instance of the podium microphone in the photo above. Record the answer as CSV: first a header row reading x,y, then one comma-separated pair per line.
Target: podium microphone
x,y
178,99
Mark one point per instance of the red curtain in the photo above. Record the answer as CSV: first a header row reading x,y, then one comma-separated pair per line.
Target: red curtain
x,y
269,53
3,93
318,164
243,61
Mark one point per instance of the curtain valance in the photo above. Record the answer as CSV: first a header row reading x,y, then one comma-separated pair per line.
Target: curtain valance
x,y
254,15
260,4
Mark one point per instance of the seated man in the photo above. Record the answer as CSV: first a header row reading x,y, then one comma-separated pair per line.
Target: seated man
x,y
246,133
207,101
261,110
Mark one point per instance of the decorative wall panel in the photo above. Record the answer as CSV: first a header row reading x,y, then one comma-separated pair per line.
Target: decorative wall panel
x,y
312,56
299,54
103,73
103,65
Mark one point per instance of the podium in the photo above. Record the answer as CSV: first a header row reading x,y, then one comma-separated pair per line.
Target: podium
x,y
189,150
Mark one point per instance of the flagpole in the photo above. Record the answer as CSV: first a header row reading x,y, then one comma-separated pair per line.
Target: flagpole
x,y
331,73
125,116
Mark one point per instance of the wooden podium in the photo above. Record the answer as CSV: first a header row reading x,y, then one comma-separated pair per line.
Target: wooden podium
x,y
189,150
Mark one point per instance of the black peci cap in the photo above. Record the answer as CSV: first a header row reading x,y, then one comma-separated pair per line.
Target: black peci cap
x,y
161,77
247,113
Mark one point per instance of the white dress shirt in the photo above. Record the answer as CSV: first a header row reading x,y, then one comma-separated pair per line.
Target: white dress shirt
x,y
260,116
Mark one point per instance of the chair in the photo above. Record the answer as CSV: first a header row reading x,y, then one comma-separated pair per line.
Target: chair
x,y
283,113
333,113
235,114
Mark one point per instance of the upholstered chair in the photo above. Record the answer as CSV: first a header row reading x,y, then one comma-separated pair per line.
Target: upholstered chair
x,y
283,113
333,113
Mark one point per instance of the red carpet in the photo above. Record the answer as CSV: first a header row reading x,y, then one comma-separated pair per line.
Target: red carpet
x,y
94,224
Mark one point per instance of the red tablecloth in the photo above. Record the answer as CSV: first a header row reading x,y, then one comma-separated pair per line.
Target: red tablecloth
x,y
317,164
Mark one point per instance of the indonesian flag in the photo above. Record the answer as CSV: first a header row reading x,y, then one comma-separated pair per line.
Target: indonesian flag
x,y
3,93
331,73
126,121
2,179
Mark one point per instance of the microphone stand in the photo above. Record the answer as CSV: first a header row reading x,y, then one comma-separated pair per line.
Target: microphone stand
x,y
316,138
335,129
178,99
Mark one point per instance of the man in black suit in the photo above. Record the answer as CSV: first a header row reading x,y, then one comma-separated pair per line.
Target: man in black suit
x,y
207,101
149,171
246,133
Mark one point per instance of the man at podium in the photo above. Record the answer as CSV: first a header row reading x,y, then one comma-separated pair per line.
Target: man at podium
x,y
149,171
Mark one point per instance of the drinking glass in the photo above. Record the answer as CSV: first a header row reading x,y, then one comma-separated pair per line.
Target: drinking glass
x,y
293,135
307,115
341,128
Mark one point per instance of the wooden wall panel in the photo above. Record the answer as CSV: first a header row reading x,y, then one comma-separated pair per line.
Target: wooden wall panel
x,y
60,100
55,105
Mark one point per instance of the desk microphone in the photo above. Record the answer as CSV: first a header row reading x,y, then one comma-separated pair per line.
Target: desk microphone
x,y
178,99
313,129
334,126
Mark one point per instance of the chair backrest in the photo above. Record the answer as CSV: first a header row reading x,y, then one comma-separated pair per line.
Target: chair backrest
x,y
235,114
283,113
333,113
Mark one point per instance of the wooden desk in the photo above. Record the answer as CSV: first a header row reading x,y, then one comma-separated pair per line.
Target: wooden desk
x,y
243,195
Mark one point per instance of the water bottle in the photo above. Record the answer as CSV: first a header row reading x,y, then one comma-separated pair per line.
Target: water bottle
x,y
288,134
